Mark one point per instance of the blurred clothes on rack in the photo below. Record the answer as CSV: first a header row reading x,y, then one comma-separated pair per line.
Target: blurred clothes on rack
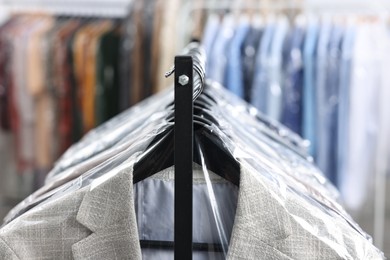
x,y
308,73
147,46
44,87
61,76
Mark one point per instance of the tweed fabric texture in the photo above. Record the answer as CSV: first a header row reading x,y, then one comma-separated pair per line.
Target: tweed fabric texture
x,y
48,231
99,222
272,222
91,223
6,252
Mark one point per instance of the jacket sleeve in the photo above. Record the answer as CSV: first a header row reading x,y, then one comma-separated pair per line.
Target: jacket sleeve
x,y
6,252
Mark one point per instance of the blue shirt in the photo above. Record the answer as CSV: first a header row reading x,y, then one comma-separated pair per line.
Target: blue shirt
x,y
218,57
248,53
344,86
321,74
332,101
292,105
209,38
260,81
275,85
234,78
309,93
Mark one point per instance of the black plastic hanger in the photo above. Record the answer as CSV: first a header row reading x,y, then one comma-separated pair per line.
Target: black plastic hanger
x,y
159,154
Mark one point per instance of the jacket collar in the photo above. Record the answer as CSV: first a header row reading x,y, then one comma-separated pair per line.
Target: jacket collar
x,y
261,220
108,211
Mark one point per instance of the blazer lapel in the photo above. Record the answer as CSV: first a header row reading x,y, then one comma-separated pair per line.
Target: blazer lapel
x,y
261,221
108,211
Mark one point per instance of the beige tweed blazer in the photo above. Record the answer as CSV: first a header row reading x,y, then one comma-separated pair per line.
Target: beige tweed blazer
x,y
99,222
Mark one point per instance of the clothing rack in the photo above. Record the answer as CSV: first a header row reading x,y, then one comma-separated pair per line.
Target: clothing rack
x,y
189,80
85,8
373,7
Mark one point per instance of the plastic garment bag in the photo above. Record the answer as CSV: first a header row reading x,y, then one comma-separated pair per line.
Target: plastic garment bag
x,y
110,139
256,194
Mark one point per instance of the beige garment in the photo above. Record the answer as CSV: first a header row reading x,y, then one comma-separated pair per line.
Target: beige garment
x,y
99,222
84,52
137,59
38,87
89,78
155,46
80,43
36,75
199,17
183,25
168,47
88,98
23,100
80,39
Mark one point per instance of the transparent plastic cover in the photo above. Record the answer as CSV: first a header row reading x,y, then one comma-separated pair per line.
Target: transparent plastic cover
x,y
257,195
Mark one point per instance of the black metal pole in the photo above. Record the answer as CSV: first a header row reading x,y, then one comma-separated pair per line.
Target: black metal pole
x,y
183,146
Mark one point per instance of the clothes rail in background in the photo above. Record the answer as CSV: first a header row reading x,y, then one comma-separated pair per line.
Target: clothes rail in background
x,y
308,6
305,71
116,8
95,56
348,6
57,83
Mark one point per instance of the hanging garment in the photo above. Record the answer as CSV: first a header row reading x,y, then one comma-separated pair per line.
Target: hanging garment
x,y
167,46
137,63
332,102
363,118
292,96
218,55
344,99
261,75
63,87
209,36
384,123
321,69
309,92
71,60
281,206
126,45
233,73
107,93
22,100
248,56
275,89
39,91
85,235
4,71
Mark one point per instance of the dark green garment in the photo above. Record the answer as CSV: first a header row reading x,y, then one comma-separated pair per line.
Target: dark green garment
x,y
107,102
77,131
127,44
